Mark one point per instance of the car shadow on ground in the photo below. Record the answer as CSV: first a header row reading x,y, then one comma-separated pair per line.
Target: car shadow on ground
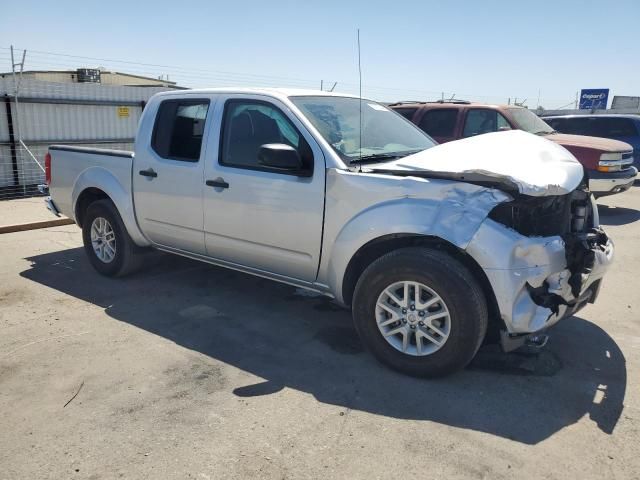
x,y
617,215
305,342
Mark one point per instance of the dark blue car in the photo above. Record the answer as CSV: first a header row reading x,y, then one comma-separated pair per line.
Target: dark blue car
x,y
623,127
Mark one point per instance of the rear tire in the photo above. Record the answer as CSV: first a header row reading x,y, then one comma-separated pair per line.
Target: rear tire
x,y
443,329
107,242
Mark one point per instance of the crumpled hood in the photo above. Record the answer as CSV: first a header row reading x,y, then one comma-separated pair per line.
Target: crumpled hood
x,y
536,166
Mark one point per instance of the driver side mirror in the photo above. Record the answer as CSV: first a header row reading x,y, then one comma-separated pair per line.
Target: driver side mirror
x,y
280,156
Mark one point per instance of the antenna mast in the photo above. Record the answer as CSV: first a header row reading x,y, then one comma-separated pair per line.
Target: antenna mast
x,y
360,96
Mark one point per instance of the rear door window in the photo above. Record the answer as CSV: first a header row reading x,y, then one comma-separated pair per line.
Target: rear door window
x,y
178,129
439,122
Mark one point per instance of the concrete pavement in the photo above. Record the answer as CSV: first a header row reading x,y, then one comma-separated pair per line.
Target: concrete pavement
x,y
27,214
191,371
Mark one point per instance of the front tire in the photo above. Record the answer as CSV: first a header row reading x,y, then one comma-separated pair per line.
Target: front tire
x,y
420,311
106,241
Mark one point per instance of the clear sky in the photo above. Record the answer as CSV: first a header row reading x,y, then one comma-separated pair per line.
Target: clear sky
x,y
486,50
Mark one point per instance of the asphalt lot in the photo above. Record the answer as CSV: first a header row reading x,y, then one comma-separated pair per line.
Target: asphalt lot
x,y
191,371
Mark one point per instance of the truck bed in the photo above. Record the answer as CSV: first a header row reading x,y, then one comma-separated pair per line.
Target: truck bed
x,y
75,168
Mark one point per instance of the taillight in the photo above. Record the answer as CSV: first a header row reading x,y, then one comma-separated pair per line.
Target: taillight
x,y
47,168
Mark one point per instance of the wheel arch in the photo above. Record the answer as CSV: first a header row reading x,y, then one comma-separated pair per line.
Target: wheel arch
x,y
97,183
380,246
86,198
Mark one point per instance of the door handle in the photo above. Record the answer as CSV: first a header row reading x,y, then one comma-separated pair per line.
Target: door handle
x,y
217,183
150,172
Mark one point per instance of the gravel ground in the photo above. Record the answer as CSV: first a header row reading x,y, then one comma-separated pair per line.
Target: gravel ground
x,y
191,371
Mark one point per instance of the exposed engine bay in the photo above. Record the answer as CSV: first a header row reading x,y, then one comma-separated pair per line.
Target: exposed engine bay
x,y
572,218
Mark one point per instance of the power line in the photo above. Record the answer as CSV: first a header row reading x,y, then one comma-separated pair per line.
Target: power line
x,y
200,76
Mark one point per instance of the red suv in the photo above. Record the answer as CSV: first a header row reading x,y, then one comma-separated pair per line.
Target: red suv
x,y
609,162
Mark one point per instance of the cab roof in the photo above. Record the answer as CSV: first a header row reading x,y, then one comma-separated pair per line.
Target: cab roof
x,y
633,116
452,104
272,92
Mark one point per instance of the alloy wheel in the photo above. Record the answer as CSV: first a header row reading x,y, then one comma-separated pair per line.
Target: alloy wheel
x,y
103,240
413,318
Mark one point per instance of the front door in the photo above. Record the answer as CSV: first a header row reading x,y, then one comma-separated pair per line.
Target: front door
x,y
256,216
168,175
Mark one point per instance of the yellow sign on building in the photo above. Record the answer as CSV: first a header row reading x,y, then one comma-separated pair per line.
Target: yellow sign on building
x,y
123,112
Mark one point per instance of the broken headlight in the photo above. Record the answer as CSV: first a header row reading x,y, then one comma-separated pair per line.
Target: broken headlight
x,y
561,215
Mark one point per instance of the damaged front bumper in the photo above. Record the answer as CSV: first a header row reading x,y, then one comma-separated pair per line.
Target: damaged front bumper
x,y
539,280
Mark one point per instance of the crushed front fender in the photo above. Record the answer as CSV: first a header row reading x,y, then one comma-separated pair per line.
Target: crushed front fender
x,y
539,280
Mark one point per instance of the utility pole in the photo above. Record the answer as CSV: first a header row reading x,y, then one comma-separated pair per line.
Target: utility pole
x,y
321,85
575,105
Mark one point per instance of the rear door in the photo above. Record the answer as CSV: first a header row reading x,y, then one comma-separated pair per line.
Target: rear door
x,y
257,216
168,173
439,123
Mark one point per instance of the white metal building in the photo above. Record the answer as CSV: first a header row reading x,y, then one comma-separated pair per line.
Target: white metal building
x,y
44,113
92,75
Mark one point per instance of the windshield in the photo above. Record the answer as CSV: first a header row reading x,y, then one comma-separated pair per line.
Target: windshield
x,y
529,121
385,134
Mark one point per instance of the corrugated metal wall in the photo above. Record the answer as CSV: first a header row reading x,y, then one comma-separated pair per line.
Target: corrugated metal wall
x,y
59,122
46,113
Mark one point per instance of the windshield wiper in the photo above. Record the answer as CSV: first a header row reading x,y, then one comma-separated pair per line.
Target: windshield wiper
x,y
376,157
544,132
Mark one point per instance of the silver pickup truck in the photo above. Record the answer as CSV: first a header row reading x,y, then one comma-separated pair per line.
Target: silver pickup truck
x,y
434,248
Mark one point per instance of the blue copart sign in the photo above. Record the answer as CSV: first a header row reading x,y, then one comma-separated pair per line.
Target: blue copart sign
x,y
594,98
